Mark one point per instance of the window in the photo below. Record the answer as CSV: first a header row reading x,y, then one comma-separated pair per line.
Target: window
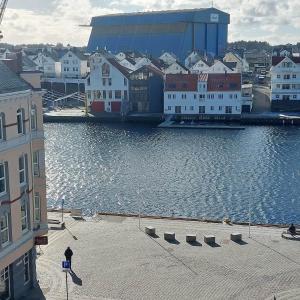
x,y
183,96
228,109
169,96
20,121
230,96
104,81
212,108
278,86
294,96
285,86
2,179
125,95
33,118
4,230
1,126
118,94
201,109
286,76
109,81
36,163
195,96
105,70
4,284
26,268
235,96
174,96
191,107
37,208
220,96
89,94
24,216
125,81
104,94
98,94
22,175
277,96
177,109
169,108
110,94
220,108
294,76
278,76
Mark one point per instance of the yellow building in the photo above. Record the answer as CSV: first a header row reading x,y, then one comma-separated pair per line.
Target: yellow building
x,y
23,208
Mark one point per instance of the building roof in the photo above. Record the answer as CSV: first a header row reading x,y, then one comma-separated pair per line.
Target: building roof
x,y
224,82
230,65
116,64
10,82
181,82
278,59
150,68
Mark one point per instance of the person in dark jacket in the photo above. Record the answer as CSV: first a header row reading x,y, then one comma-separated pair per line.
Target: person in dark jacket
x,y
68,255
292,229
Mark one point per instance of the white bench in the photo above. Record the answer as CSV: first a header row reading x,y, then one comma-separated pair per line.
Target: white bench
x,y
209,239
236,237
76,213
150,230
169,236
190,238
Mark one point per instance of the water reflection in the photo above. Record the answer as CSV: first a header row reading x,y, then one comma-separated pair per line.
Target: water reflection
x,y
193,173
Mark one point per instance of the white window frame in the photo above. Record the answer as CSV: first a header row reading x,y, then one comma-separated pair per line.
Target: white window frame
x,y
23,170
3,178
5,229
37,208
33,118
24,217
1,128
20,119
26,263
4,275
36,163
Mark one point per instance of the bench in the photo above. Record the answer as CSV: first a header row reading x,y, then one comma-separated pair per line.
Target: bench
x,y
209,239
169,236
236,237
76,213
150,230
191,238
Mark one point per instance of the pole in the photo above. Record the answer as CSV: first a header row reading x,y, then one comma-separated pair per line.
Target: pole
x,y
139,212
249,213
67,289
62,209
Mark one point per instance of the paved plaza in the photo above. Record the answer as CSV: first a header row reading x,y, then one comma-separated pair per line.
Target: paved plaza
x,y
113,259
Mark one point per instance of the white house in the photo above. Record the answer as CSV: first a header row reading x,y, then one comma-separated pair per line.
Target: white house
x,y
192,58
285,83
3,53
74,64
168,58
107,85
211,95
176,68
241,63
220,67
201,66
48,63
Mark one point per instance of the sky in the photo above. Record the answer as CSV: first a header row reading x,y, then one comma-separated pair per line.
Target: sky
x,y
53,21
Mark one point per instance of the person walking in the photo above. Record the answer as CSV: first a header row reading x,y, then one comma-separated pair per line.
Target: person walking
x,y
68,255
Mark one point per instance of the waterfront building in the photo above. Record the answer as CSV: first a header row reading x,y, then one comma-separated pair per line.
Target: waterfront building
x,y
204,96
247,98
146,90
285,83
107,85
174,31
23,209
175,68
216,67
168,58
74,64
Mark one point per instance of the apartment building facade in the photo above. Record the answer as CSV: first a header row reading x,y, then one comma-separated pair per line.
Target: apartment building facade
x,y
285,83
23,209
107,85
204,96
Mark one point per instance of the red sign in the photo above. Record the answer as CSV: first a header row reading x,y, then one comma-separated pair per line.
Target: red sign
x,y
41,240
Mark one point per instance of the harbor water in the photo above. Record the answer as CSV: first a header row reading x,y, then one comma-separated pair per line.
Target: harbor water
x,y
210,174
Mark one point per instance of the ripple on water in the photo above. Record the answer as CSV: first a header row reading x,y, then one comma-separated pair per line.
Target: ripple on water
x,y
207,174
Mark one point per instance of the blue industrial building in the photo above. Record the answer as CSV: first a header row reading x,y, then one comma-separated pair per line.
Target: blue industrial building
x,y
177,31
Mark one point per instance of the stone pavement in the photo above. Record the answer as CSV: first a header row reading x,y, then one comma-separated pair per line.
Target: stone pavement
x,y
113,259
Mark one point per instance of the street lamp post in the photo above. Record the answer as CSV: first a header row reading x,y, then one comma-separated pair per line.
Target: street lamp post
x,y
249,215
62,208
